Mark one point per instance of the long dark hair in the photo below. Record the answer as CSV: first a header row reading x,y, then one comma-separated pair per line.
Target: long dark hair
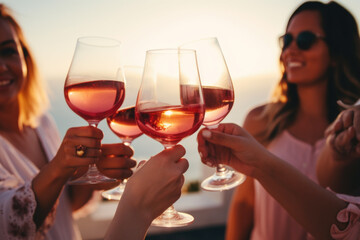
x,y
342,38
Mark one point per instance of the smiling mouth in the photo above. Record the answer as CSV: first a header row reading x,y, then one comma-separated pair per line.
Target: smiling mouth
x,y
4,83
294,64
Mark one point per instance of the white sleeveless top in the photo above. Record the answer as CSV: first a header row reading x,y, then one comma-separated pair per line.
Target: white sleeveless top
x,y
271,221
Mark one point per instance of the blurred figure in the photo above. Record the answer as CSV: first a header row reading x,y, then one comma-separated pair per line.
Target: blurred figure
x,y
322,213
34,164
320,63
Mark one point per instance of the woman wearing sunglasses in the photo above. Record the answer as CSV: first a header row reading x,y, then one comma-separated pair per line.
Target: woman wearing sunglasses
x,y
320,62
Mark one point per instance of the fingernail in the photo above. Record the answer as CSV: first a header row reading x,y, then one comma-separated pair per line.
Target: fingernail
x,y
206,134
209,164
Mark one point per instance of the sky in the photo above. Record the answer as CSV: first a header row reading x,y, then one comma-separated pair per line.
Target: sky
x,y
247,31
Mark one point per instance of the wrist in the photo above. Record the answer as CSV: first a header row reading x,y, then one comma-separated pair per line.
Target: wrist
x,y
264,166
131,206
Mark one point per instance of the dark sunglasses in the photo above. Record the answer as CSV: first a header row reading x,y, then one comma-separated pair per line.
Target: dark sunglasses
x,y
304,40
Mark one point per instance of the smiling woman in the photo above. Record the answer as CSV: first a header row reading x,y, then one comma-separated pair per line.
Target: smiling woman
x,y
317,71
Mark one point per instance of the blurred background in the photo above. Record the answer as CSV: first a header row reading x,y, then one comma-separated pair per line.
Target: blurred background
x,y
248,33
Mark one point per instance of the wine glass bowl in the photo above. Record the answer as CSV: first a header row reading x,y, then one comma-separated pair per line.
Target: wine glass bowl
x,y
170,107
123,123
94,89
218,92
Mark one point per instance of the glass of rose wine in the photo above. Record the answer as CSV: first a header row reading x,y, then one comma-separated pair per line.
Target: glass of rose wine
x,y
94,88
219,97
170,107
123,123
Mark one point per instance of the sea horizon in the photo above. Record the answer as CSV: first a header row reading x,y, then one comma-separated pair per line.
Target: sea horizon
x,y
249,92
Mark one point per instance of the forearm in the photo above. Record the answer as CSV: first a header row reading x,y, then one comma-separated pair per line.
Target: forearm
x,y
311,206
47,186
128,223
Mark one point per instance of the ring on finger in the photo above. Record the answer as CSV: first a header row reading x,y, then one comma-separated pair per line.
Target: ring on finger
x,y
80,150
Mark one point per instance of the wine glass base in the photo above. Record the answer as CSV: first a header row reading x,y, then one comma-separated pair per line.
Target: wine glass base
x,y
178,219
113,194
216,183
91,179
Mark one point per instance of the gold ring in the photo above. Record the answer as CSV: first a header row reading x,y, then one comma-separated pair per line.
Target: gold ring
x,y
80,150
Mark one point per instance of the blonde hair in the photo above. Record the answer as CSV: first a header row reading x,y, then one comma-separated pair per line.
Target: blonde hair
x,y
33,100
342,38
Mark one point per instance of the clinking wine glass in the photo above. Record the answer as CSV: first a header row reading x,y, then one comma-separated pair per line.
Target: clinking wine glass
x,y
94,88
170,107
123,122
219,98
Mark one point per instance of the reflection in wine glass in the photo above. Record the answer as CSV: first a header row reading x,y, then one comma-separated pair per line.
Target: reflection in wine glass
x,y
219,98
94,89
170,107
123,123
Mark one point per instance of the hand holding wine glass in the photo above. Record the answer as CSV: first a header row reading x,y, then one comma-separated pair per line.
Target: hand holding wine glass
x,y
123,123
170,107
94,89
219,98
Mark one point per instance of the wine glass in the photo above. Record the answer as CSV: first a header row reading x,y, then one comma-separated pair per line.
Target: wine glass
x,y
219,96
94,88
123,123
170,107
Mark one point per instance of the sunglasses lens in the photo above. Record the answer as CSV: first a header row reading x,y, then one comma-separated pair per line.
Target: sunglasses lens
x,y
305,40
285,41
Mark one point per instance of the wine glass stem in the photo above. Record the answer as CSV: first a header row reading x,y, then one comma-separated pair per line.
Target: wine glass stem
x,y
169,213
93,171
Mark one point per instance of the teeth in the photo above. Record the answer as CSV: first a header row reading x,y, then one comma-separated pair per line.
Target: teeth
x,y
4,82
294,64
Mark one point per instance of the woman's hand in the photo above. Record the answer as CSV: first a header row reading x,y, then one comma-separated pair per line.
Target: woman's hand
x,y
115,161
231,145
157,183
343,135
67,161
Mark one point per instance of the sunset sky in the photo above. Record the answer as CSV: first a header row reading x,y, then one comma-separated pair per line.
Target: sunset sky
x,y
247,31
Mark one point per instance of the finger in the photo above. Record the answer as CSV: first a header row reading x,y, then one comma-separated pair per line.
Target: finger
x,y
336,126
116,162
117,149
117,173
89,152
343,140
85,141
221,139
347,118
174,153
356,122
183,165
87,131
140,164
202,147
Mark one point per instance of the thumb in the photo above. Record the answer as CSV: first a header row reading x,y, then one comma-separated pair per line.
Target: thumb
x,y
220,138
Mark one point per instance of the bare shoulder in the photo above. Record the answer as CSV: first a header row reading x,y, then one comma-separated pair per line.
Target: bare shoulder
x,y
254,122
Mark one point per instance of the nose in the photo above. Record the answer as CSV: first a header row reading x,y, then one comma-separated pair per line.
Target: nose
x,y
3,66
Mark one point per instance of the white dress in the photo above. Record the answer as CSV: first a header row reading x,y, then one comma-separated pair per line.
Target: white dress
x,y
17,201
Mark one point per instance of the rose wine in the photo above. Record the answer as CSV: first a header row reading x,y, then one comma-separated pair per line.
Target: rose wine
x,y
95,100
170,124
124,125
218,102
